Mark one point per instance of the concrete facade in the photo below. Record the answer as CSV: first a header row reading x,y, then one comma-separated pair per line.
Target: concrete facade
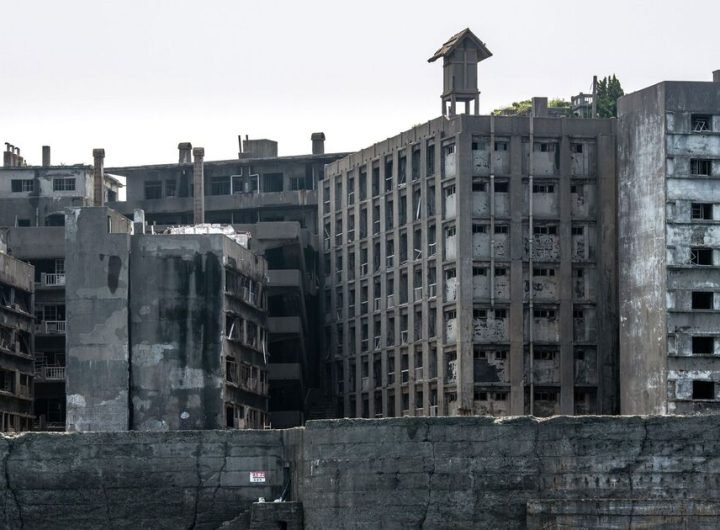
x,y
166,332
431,242
669,158
16,344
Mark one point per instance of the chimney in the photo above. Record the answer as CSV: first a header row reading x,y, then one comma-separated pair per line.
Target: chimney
x,y
46,155
18,159
318,143
539,107
716,76
185,151
198,186
99,177
8,155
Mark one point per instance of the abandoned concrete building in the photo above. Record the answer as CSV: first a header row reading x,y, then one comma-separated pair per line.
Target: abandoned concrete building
x,y
165,331
274,198
669,210
466,266
466,262
16,339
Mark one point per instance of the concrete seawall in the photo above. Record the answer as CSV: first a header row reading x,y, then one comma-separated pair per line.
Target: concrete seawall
x,y
392,473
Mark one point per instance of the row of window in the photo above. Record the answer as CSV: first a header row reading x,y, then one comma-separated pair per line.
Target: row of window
x,y
28,185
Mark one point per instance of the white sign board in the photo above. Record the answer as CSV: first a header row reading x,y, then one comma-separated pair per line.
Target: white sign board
x,y
257,477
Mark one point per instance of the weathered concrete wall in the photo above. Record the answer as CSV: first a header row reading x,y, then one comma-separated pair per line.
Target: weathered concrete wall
x,y
97,249
392,473
642,252
176,335
482,473
140,480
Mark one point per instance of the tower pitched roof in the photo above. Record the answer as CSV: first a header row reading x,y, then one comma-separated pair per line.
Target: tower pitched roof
x,y
456,40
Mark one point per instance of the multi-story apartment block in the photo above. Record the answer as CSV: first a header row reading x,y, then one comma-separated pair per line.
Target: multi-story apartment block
x,y
469,263
32,216
274,198
16,344
165,331
669,248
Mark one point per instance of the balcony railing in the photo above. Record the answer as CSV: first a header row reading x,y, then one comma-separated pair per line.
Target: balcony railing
x,y
52,373
50,327
52,280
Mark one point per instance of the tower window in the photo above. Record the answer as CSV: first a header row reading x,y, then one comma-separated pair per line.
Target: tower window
x,y
700,167
702,210
702,300
701,256
701,123
703,345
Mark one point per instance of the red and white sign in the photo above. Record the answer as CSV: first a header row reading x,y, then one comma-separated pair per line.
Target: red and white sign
x,y
257,477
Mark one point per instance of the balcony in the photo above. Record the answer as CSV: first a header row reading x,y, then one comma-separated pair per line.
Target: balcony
x,y
50,327
52,280
51,373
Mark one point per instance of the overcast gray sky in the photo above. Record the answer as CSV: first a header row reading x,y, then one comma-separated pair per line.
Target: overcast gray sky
x,y
137,77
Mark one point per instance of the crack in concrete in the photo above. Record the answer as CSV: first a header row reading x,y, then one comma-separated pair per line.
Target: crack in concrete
x,y
220,472
431,473
8,485
198,452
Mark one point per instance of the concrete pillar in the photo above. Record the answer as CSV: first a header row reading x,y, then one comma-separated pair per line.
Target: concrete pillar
x,y
185,150
98,177
198,185
318,143
716,76
45,155
138,221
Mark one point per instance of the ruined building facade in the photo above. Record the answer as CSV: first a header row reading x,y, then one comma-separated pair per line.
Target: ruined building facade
x,y
467,263
669,248
16,344
165,331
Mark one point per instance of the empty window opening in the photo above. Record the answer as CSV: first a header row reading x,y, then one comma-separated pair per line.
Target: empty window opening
x,y
501,229
702,210
545,355
479,186
543,188
577,148
501,187
544,313
578,230
273,182
479,229
220,185
702,300
500,314
548,229
700,167
703,345
701,256
703,390
701,123
153,189
501,146
543,272
500,271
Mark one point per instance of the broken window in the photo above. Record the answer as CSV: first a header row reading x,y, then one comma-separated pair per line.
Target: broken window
x,y
479,186
700,167
500,314
153,189
703,345
702,211
578,230
388,173
703,390
544,313
375,181
545,355
22,185
501,229
701,123
351,191
577,148
702,300
500,271
363,184
430,159
479,271
544,147
701,256
501,187
479,229
170,188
